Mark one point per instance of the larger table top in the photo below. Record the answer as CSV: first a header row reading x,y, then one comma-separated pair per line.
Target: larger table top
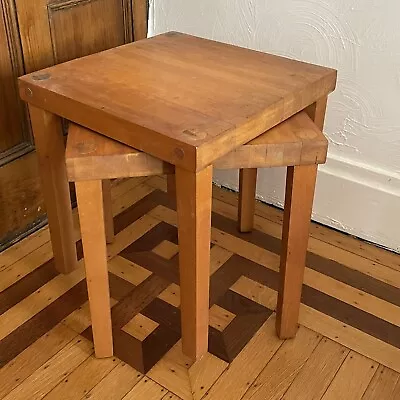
x,y
178,97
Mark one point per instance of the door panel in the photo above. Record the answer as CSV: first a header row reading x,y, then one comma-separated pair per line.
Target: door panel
x,y
12,132
35,34
89,34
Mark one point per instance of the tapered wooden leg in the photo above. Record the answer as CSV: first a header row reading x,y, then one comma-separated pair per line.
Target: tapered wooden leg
x,y
194,192
247,198
300,185
108,214
91,215
50,150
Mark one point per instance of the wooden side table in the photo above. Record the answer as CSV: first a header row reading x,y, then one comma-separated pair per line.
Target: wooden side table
x,y
187,101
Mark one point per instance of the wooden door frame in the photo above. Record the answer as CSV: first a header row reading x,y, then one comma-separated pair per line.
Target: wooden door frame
x,y
42,58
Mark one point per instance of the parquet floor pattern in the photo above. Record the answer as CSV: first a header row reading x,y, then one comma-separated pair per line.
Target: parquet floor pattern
x,y
347,346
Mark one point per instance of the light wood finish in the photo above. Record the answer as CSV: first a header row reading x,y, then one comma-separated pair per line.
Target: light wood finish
x,y
316,111
172,295
116,384
86,376
45,378
92,156
125,269
91,213
140,327
352,379
300,186
146,389
37,301
166,249
35,371
193,193
247,198
190,130
351,337
235,380
383,385
50,151
318,372
296,141
189,381
107,207
220,318
299,197
283,368
32,358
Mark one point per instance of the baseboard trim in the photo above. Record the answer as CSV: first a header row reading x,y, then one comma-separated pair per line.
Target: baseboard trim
x,y
351,197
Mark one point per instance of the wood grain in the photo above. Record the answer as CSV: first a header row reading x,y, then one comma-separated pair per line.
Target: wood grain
x,y
300,186
116,384
82,379
251,276
352,378
44,379
283,368
93,156
193,192
98,25
235,381
318,372
383,385
50,150
91,216
216,126
146,389
296,141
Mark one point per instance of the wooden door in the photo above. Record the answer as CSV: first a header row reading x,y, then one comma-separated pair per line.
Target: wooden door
x,y
35,34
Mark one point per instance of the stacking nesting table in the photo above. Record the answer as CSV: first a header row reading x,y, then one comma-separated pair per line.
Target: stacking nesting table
x,y
189,102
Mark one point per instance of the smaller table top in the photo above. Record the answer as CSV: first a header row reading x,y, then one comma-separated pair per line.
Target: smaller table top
x,y
181,98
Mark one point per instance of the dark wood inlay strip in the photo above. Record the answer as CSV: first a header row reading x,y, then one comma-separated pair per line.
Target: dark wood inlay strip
x,y
323,265
167,269
26,286
41,323
155,236
137,300
326,304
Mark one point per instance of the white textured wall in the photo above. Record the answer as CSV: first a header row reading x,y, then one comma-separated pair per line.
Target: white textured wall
x,y
359,189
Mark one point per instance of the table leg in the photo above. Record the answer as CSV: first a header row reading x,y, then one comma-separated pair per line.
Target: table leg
x,y
194,192
108,214
300,183
300,188
91,215
247,198
51,156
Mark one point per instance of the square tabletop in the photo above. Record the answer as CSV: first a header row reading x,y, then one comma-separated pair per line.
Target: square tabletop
x,y
181,98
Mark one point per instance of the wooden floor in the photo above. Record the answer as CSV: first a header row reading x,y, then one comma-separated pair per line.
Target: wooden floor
x,y
347,347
